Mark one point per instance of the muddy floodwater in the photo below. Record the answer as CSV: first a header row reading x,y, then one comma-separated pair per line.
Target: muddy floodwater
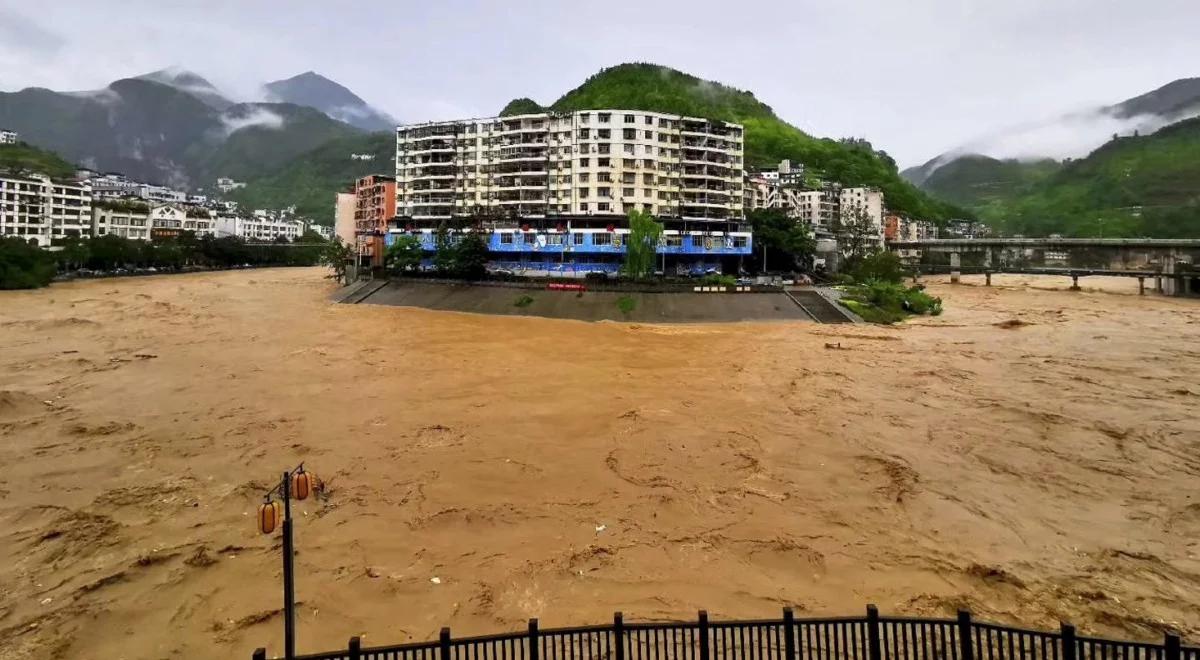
x,y
1032,454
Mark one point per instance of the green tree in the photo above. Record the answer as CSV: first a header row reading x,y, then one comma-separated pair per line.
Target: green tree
x,y
858,236
24,265
404,254
471,256
337,255
445,256
74,254
783,242
641,245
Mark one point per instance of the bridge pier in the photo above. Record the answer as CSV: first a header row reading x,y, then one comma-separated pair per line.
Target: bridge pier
x,y
955,265
1141,286
987,278
1074,282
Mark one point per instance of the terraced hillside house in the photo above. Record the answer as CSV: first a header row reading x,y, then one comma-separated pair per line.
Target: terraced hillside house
x,y
7,136
43,211
374,206
556,188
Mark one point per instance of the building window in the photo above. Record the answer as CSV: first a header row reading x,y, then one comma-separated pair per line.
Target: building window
x,y
674,241
602,238
604,191
604,206
583,207
603,148
583,177
604,162
583,192
629,149
649,134
605,117
629,119
629,163
584,133
577,238
554,239
584,117
629,134
585,162
739,241
628,192
604,177
697,241
506,239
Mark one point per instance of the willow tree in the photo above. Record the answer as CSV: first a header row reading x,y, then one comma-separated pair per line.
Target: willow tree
x,y
641,246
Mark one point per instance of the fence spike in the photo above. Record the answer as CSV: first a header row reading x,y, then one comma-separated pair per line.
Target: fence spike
x,y
259,654
1069,644
966,647
874,652
702,619
444,642
619,636
1171,647
354,648
534,644
789,633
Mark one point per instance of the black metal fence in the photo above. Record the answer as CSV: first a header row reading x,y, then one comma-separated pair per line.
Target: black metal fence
x,y
870,637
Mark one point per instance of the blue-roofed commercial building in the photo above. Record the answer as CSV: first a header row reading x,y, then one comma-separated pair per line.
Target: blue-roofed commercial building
x,y
554,189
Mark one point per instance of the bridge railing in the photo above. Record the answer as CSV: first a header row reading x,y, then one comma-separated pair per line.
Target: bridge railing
x,y
870,637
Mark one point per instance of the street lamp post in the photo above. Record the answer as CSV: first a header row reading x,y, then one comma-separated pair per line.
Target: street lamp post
x,y
298,484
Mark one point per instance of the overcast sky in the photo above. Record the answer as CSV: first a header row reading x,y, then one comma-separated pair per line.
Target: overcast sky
x,y
916,77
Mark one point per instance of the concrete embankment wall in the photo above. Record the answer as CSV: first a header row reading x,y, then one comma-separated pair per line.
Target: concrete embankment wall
x,y
592,306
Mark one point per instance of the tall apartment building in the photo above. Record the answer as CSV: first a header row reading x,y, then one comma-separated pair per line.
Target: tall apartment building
x,y
43,211
343,217
7,136
578,165
374,206
567,180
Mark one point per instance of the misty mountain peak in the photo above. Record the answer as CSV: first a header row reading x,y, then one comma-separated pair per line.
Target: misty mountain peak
x,y
314,90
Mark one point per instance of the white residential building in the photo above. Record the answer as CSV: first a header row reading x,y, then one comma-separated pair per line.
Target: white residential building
x,y
324,231
866,200
114,185
125,221
44,211
586,163
7,136
225,184
259,228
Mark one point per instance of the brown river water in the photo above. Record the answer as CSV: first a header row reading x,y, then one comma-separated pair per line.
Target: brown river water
x,y
1032,454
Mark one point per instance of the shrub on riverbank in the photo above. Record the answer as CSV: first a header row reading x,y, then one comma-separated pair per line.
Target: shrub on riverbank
x,y
24,266
877,301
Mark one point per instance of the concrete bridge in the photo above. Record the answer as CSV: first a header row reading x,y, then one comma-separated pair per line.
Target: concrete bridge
x,y
1172,263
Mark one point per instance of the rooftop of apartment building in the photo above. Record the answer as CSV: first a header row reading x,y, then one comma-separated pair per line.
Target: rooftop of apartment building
x,y
556,115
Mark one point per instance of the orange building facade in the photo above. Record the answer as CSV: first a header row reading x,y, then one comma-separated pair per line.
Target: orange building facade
x,y
374,205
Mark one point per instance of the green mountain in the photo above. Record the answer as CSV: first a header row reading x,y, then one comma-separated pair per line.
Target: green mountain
x,y
768,138
163,133
310,180
1132,186
23,158
521,106
974,181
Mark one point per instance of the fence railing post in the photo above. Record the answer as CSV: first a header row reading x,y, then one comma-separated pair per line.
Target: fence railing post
x,y
618,636
354,649
703,634
873,650
535,644
444,643
966,647
789,633
1171,647
1069,644
259,654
